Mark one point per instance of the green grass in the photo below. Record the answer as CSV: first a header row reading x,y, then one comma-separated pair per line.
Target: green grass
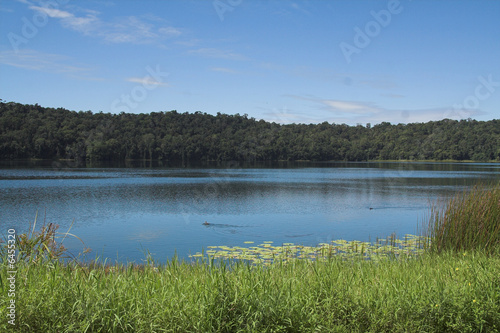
x,y
432,293
468,221
412,285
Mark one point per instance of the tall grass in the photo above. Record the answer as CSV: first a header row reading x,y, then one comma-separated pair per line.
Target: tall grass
x,y
432,293
468,221
36,246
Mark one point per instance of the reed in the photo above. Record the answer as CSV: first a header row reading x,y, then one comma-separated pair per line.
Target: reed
x,y
468,221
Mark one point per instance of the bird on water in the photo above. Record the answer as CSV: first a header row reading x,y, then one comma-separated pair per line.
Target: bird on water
x,y
206,223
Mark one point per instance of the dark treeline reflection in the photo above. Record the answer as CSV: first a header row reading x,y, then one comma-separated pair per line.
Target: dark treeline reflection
x,y
120,211
33,131
235,190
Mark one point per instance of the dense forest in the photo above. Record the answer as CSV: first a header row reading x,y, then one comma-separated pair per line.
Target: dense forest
x,y
33,131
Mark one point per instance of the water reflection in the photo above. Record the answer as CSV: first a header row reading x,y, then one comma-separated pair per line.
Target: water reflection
x,y
120,211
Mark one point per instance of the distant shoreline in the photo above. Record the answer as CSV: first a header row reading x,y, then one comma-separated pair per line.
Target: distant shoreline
x,y
23,160
33,131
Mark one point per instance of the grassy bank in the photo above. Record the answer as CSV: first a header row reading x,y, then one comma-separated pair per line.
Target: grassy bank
x,y
442,289
433,293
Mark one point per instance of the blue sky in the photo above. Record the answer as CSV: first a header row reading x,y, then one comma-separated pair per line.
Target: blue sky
x,y
309,61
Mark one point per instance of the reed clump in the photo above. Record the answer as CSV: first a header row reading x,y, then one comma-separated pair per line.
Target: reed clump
x,y
44,244
468,221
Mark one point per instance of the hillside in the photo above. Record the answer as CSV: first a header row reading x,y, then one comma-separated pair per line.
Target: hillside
x,y
33,131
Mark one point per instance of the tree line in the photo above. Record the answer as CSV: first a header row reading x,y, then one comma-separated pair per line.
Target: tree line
x,y
33,131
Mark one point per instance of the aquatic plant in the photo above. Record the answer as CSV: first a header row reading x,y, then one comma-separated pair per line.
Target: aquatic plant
x,y
46,243
266,253
468,221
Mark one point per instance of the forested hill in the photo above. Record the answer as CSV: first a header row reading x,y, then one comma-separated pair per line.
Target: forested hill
x,y
33,131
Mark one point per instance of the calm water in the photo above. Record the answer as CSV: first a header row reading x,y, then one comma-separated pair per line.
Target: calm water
x,y
121,212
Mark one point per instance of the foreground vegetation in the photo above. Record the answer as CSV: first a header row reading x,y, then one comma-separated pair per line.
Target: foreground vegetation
x,y
332,288
468,221
33,131
445,293
267,254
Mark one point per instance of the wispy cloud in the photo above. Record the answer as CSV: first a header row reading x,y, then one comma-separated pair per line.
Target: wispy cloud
x,y
52,12
379,83
45,62
170,31
353,112
146,81
339,107
297,7
129,29
392,95
30,59
26,2
348,106
188,43
285,115
6,10
217,53
223,70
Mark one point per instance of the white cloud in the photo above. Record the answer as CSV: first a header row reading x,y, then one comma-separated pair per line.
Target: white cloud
x,y
51,12
26,2
146,81
169,31
297,7
392,95
45,62
82,24
189,43
285,115
346,106
224,70
217,53
129,29
86,25
6,10
30,59
350,112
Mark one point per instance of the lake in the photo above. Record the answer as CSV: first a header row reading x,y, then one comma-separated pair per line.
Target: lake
x,y
120,212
